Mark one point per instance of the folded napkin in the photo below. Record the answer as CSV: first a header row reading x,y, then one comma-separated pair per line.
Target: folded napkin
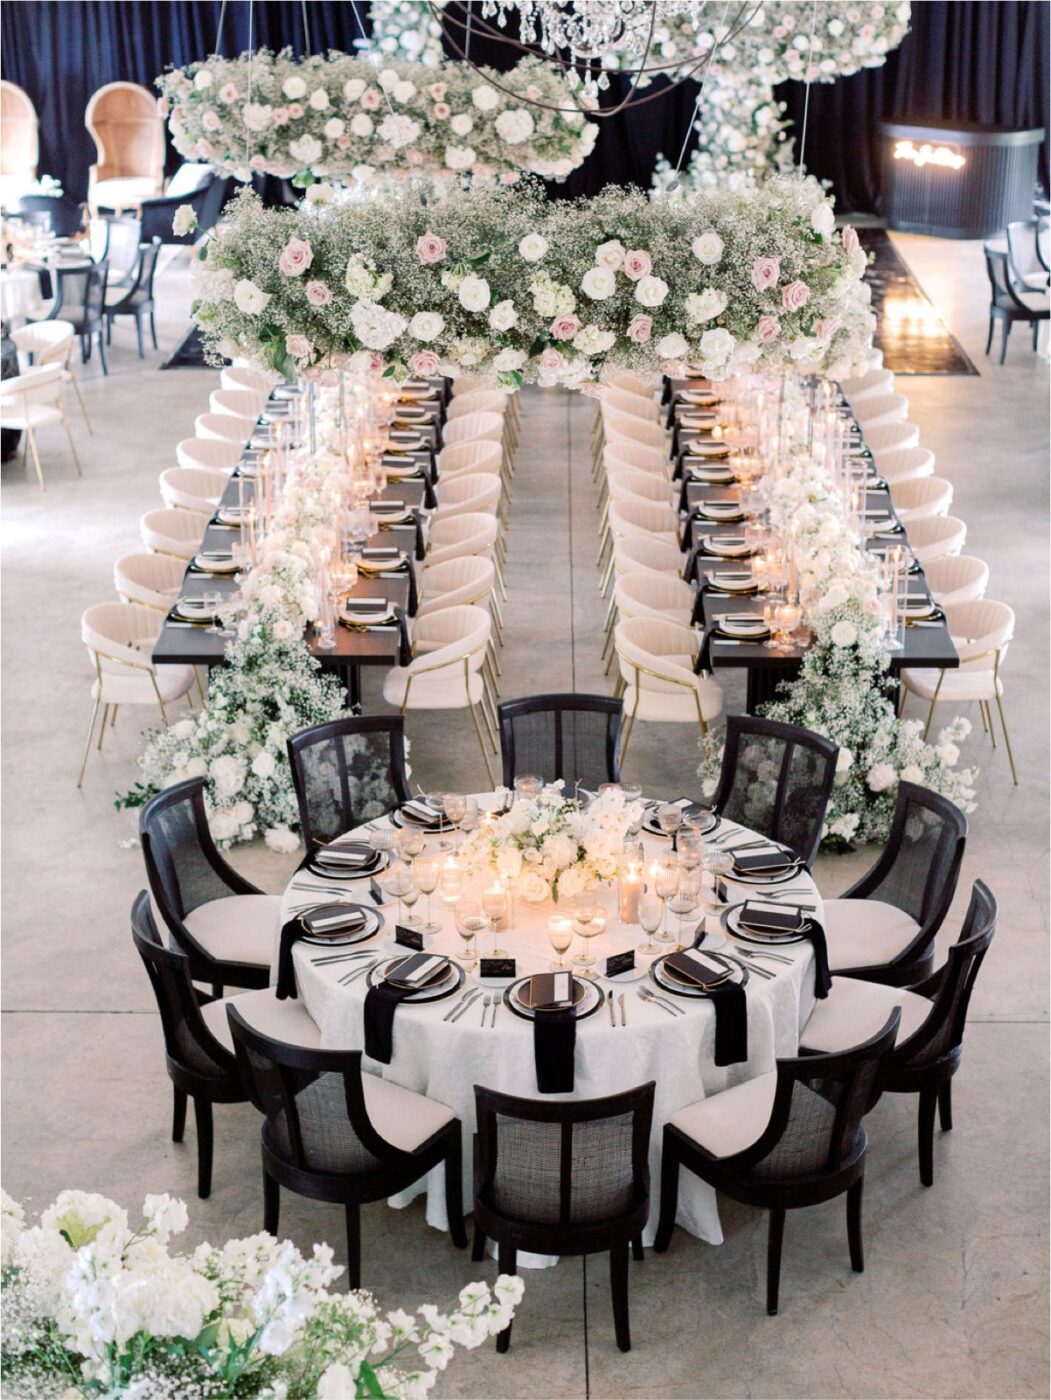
x,y
554,1031
768,858
731,1005
328,918
423,812
355,857
384,999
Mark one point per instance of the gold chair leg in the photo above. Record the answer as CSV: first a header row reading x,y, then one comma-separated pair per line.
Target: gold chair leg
x,y
80,401
87,741
72,446
31,439
1007,740
481,745
989,717
607,575
627,737
981,711
930,717
500,579
113,718
102,727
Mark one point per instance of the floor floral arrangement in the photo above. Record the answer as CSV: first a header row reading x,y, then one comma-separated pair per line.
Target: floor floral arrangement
x,y
500,282
338,117
95,1306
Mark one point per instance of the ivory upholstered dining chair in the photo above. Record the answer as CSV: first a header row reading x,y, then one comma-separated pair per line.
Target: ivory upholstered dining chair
x,y
119,638
868,385
929,1048
192,488
618,398
228,426
178,533
776,779
476,493
48,343
890,437
347,772
332,1133
956,578
657,681
566,1178
922,498
937,537
636,456
242,403
208,454
225,925
981,631
568,736
785,1140
468,458
153,580
468,580
31,401
883,928
906,464
881,410
474,427
242,377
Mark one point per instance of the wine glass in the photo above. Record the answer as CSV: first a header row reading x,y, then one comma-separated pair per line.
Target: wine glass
x,y
589,919
409,842
396,880
409,895
685,900
471,922
669,818
560,936
665,883
426,870
469,821
454,805
494,902
651,914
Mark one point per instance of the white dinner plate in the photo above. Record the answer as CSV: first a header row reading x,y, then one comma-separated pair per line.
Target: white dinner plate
x,y
738,976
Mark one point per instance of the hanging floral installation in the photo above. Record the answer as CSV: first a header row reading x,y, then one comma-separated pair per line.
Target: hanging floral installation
x,y
405,29
338,117
742,138
503,283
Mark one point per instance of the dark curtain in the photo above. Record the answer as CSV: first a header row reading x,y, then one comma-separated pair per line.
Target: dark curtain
x,y
982,61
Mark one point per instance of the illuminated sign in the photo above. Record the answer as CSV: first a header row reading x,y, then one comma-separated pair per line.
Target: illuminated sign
x,y
927,154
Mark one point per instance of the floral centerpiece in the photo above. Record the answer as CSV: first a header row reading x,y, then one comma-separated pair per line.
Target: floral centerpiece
x,y
94,1306
552,845
501,282
336,117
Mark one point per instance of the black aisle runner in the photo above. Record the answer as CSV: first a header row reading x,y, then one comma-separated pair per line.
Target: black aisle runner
x,y
913,337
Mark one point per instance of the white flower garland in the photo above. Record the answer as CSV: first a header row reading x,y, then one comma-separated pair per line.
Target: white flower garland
x,y
550,846
406,29
501,282
93,1306
337,117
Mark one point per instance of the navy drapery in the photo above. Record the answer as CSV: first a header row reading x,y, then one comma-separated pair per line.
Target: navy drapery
x,y
982,61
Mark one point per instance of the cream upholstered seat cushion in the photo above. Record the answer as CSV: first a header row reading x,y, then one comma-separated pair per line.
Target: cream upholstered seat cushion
x,y
731,1121
865,932
135,687
855,1010
238,928
962,684
287,1021
436,690
402,1118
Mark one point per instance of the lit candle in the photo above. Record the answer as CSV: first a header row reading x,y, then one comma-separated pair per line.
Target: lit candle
x,y
630,895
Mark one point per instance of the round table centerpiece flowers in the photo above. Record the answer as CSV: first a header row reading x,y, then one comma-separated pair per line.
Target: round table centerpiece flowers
x,y
551,845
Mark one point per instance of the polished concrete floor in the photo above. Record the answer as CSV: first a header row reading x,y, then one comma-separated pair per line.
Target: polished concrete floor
x,y
954,1298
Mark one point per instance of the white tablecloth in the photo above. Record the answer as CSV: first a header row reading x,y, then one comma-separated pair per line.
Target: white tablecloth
x,y
446,1060
19,294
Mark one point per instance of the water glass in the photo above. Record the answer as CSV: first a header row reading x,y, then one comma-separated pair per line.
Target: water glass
x,y
409,842
471,922
690,847
651,915
669,818
589,919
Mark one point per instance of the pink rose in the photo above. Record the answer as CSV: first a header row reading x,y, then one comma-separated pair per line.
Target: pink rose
x,y
298,346
295,110
343,142
533,93
768,329
637,264
424,363
311,373
565,327
318,294
211,122
372,99
296,257
438,90
779,31
765,272
442,110
413,157
640,329
430,248
376,363
795,296
509,177
552,358
851,241
228,92
280,116
204,149
826,328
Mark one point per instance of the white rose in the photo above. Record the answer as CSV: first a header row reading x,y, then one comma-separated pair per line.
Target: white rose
x,y
503,316
912,773
203,80
591,341
459,157
650,290
362,124
474,293
280,838
673,347
426,325
462,124
708,248
599,283
249,298
949,754
294,88
398,130
610,254
822,219
705,306
532,247
264,764
509,360
485,98
403,91
881,776
185,220
388,79
257,115
308,149
334,128
353,89
844,634
319,100
717,344
320,192
514,126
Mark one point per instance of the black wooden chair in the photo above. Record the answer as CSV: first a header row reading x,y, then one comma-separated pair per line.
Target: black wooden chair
x,y
1024,256
1008,304
334,1134
776,779
883,928
564,1178
80,295
136,297
61,214
573,737
115,239
347,772
789,1139
199,1066
223,923
933,1016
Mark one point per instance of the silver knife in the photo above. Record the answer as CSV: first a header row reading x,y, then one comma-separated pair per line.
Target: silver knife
x,y
464,999
465,1004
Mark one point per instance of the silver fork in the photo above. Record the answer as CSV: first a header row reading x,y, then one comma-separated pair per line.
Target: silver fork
x,y
751,967
496,1007
487,1001
349,977
647,995
755,953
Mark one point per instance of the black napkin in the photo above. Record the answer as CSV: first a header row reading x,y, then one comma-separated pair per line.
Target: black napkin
x,y
554,1044
703,664
815,935
380,1005
404,644
731,1014
291,933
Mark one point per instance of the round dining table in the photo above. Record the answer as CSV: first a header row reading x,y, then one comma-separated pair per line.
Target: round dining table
x,y
20,295
445,1058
